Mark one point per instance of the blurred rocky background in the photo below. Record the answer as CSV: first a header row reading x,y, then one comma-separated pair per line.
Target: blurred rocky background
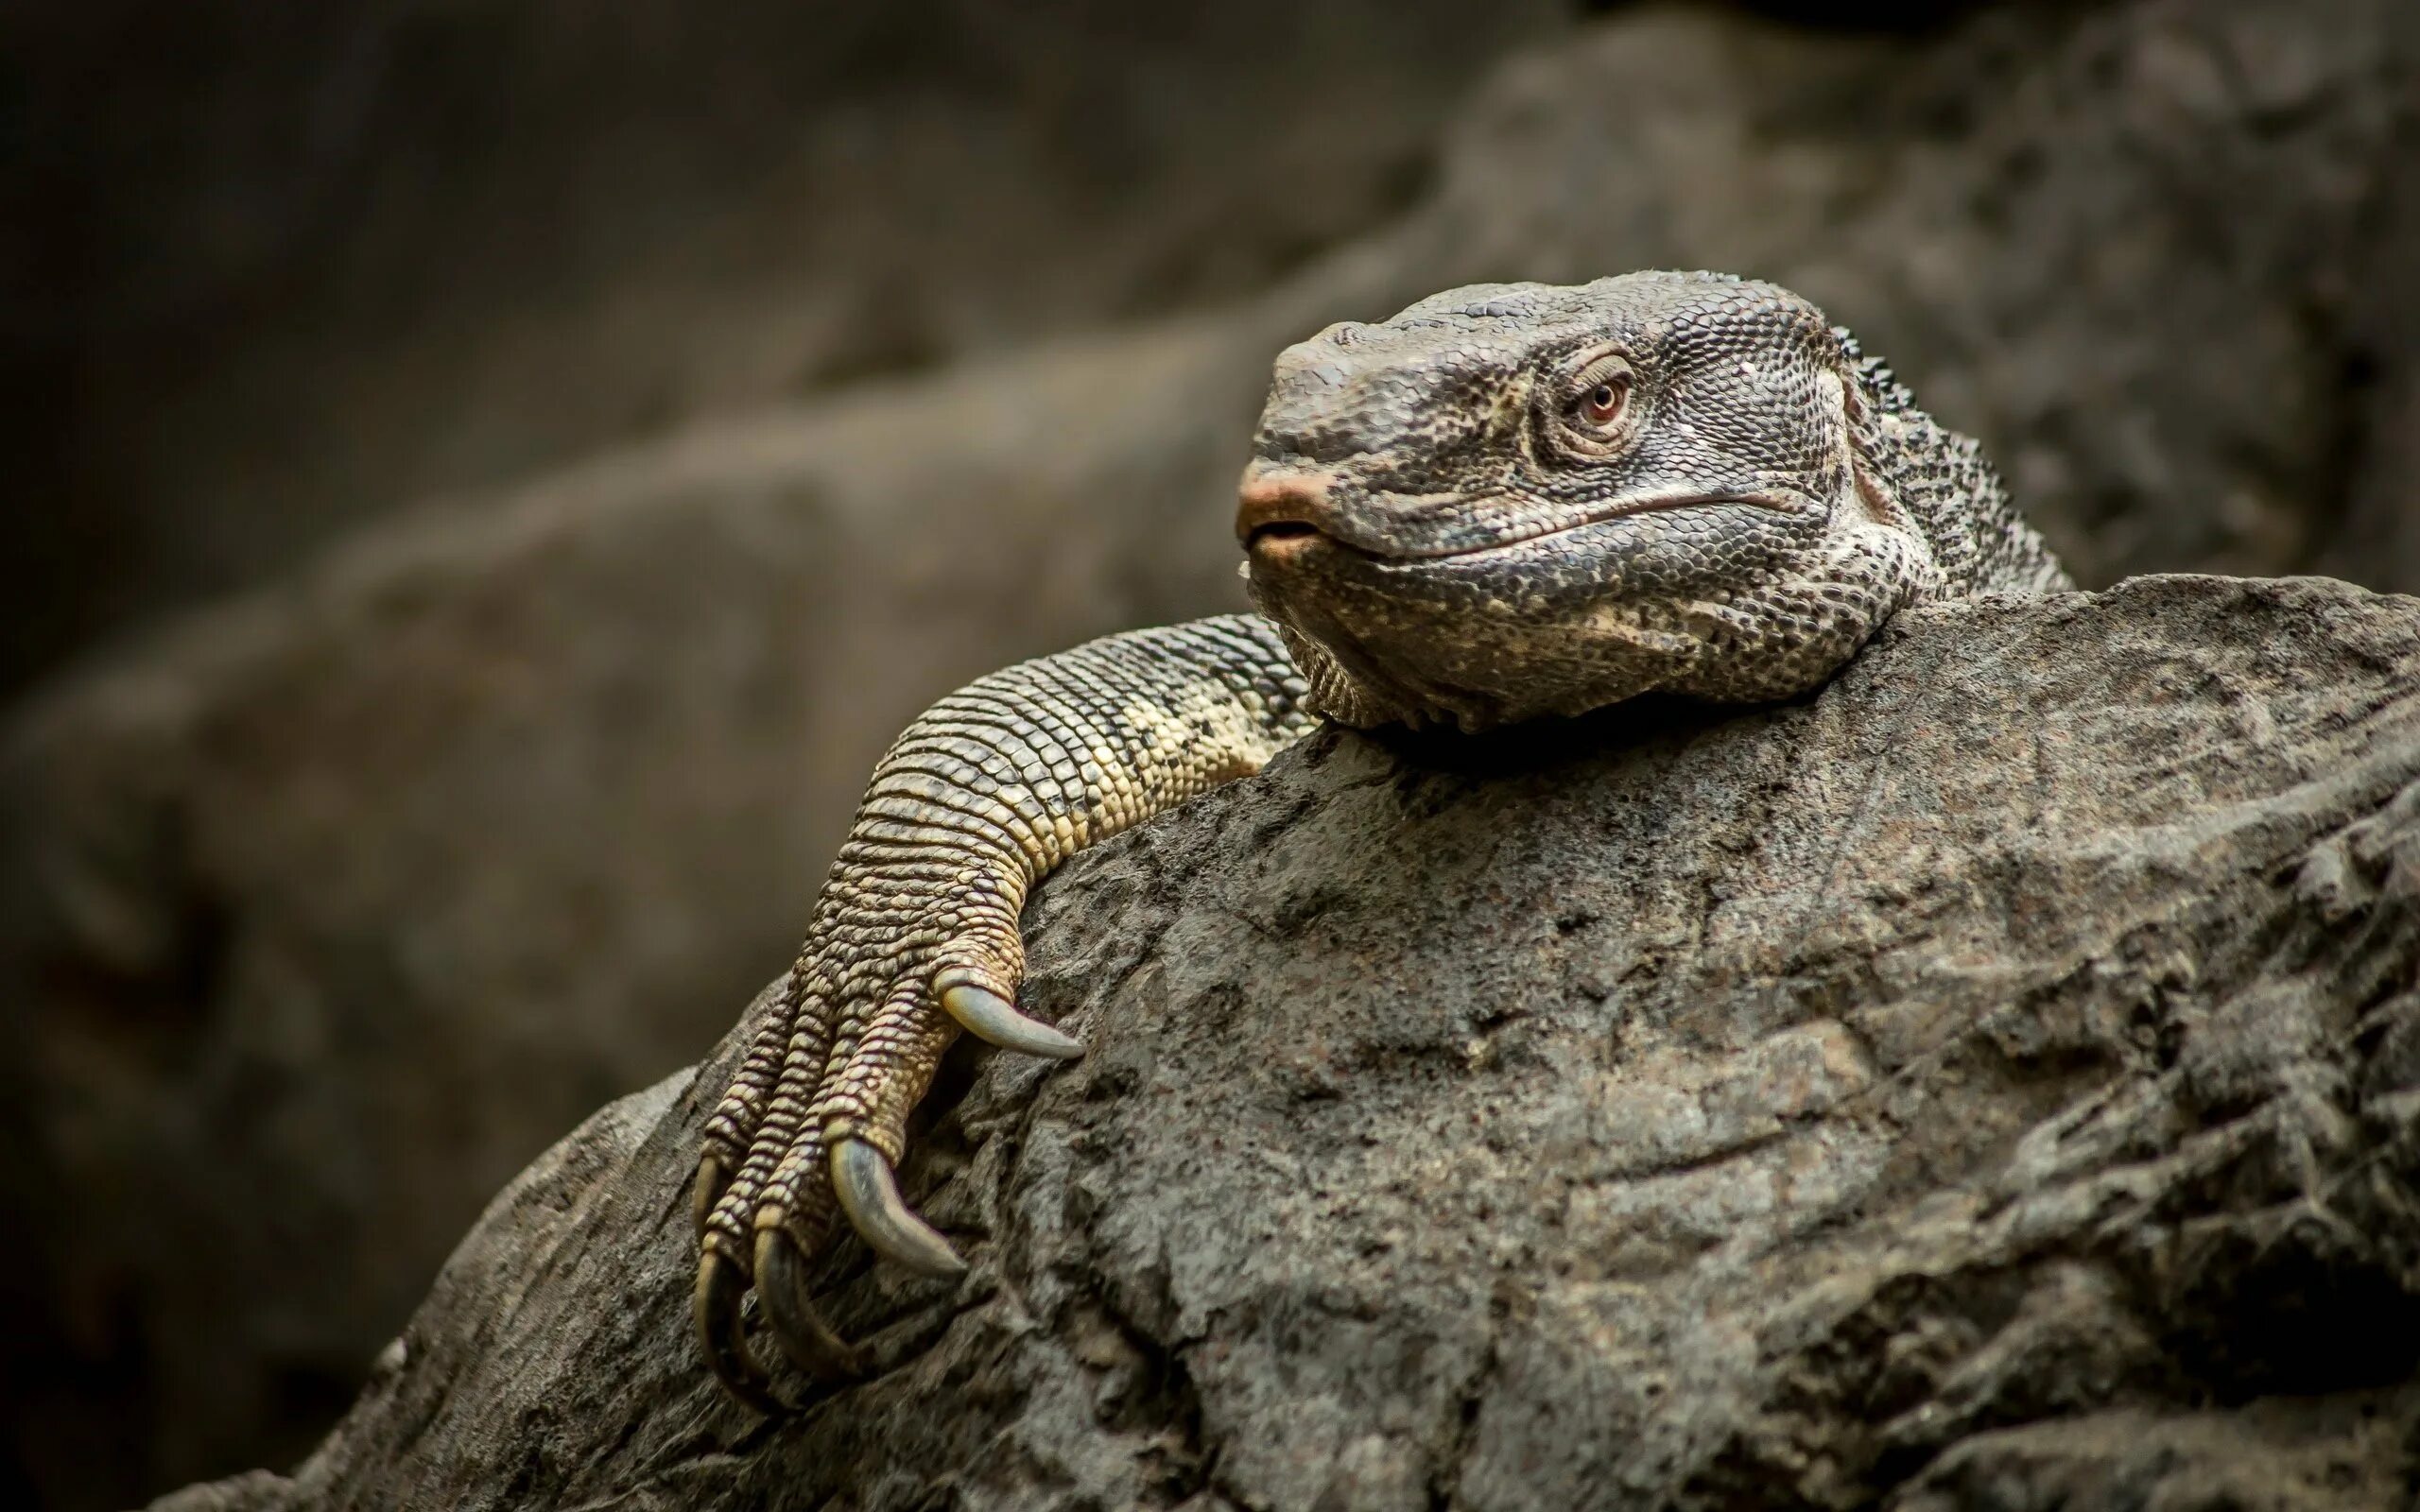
x,y
486,480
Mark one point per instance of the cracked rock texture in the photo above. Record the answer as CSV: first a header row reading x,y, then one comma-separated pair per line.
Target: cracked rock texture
x,y
1991,1082
322,911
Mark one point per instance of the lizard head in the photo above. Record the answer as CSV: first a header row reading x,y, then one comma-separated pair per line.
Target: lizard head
x,y
1514,499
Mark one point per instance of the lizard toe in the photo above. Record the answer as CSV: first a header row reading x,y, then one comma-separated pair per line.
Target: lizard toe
x,y
712,1178
789,1310
991,1018
722,1287
869,1194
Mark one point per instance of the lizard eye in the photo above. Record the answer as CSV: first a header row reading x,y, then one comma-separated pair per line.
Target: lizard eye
x,y
1599,402
1603,405
1592,421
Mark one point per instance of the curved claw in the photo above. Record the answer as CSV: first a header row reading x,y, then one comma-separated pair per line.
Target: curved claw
x,y
870,1195
712,1178
720,1289
993,1020
781,1290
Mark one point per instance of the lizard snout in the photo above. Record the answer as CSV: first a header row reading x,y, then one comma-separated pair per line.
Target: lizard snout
x,y
1276,510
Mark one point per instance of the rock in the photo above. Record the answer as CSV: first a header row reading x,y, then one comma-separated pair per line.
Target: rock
x,y
325,910
1993,1080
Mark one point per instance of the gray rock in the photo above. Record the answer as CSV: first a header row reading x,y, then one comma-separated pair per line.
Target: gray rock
x,y
321,912
1991,1082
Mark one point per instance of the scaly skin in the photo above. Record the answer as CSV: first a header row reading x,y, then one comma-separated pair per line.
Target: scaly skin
x,y
1510,501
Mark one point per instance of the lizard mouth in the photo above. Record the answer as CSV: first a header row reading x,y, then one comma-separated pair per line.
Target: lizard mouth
x,y
1276,531
1524,535
1282,545
1278,534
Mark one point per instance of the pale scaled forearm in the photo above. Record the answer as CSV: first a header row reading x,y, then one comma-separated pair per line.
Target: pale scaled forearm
x,y
1017,771
978,800
914,937
994,787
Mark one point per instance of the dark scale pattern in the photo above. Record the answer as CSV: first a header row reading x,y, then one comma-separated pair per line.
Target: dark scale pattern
x,y
1510,501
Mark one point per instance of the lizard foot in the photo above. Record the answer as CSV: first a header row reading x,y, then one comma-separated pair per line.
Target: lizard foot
x,y
810,1132
913,940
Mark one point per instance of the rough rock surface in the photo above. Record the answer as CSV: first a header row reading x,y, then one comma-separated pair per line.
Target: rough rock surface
x,y
321,912
1992,1082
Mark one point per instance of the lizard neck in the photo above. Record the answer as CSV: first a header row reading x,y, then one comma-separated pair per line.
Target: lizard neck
x,y
1948,491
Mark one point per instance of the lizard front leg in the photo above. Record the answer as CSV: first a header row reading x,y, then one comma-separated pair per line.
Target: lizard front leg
x,y
914,937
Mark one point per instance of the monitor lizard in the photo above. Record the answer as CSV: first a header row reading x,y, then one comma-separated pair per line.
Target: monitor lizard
x,y
1508,502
